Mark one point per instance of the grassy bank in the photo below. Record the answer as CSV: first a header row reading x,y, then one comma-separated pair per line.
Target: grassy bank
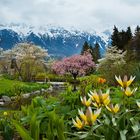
x,y
14,87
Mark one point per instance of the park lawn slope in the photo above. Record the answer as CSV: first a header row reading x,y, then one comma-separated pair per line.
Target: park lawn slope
x,y
14,87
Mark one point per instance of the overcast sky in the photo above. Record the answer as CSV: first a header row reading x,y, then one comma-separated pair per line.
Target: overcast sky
x,y
85,14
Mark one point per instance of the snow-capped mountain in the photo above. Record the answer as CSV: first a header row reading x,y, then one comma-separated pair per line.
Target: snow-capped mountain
x,y
57,40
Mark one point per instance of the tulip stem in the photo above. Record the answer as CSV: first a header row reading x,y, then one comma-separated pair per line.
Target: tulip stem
x,y
124,102
124,98
128,99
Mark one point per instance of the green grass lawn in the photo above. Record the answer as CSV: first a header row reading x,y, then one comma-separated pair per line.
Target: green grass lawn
x,y
14,87
6,84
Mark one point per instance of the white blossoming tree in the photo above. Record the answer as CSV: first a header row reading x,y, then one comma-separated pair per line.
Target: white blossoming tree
x,y
26,60
112,63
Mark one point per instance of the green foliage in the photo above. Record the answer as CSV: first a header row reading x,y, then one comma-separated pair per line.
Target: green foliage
x,y
39,122
120,126
124,40
30,68
58,78
96,52
6,130
133,47
22,131
85,48
70,98
121,38
123,125
51,118
88,83
30,60
40,77
134,69
112,64
8,76
14,87
55,127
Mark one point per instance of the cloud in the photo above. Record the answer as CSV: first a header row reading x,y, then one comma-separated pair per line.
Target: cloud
x,y
131,2
85,14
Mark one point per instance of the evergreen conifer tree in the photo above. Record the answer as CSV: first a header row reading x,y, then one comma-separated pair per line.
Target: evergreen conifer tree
x,y
96,53
115,36
129,33
121,38
137,30
134,46
85,47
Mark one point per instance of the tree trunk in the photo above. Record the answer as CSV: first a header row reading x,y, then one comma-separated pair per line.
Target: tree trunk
x,y
74,76
75,79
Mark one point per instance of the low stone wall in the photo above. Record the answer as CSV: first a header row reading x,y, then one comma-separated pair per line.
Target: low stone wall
x,y
5,100
56,85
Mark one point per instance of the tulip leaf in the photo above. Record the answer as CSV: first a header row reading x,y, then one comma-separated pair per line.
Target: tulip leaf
x,y
135,128
135,125
22,131
123,134
134,137
114,121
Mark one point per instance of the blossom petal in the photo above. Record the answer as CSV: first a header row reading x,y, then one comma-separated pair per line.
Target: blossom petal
x,y
82,115
119,80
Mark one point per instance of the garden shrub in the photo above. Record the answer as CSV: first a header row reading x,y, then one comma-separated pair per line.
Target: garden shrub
x,y
6,129
135,69
118,119
87,83
40,77
13,87
107,114
40,123
8,76
58,78
112,64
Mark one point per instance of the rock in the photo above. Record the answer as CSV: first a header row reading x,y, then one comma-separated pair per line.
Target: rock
x,y
43,90
1,103
50,88
27,95
6,99
58,85
13,98
36,92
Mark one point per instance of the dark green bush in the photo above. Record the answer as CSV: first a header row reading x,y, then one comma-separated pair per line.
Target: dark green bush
x,y
40,77
8,76
19,89
58,78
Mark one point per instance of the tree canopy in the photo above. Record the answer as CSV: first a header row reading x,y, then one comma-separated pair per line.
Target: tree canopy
x,y
75,65
94,51
26,60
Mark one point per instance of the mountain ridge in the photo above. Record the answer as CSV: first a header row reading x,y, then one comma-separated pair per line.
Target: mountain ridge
x,y
58,41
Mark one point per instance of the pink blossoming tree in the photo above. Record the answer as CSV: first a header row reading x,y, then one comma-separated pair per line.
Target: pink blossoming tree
x,y
75,65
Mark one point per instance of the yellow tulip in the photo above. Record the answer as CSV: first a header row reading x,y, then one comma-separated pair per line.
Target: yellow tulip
x,y
106,101
129,92
113,109
78,123
82,115
125,82
86,119
91,118
5,113
85,101
100,98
